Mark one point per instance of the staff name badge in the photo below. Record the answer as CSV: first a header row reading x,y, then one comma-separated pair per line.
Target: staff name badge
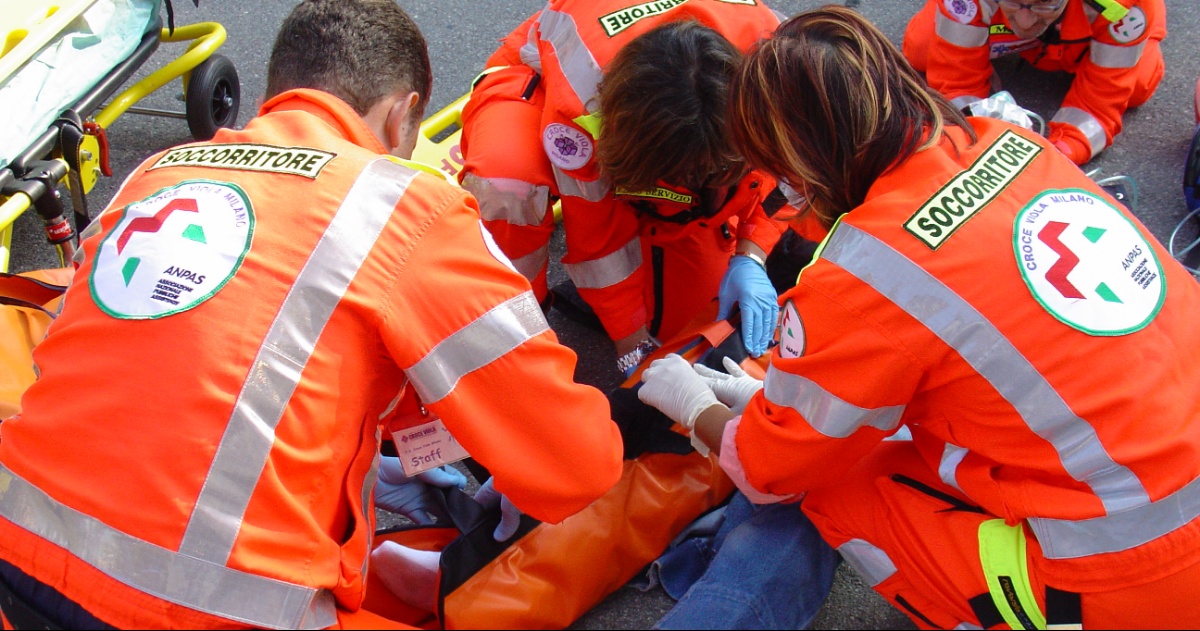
x,y
427,446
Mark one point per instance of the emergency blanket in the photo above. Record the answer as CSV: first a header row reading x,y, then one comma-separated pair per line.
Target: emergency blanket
x,y
29,302
548,575
75,59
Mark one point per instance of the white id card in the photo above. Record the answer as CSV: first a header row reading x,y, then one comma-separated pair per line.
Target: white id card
x,y
427,446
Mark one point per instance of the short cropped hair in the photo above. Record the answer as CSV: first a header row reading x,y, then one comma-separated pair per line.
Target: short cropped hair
x,y
358,50
830,104
662,101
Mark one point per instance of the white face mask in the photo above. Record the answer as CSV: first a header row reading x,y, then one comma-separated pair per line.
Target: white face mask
x,y
794,198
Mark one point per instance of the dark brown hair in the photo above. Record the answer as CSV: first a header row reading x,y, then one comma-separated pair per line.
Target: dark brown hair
x,y
358,50
830,104
663,100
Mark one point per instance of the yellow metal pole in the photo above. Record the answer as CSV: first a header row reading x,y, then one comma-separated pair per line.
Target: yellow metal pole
x,y
208,37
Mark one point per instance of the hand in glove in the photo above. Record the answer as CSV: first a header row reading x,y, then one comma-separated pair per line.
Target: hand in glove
x,y
733,389
747,284
510,515
671,385
407,496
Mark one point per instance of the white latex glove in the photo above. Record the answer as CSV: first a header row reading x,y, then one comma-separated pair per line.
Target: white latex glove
x,y
671,385
733,389
510,515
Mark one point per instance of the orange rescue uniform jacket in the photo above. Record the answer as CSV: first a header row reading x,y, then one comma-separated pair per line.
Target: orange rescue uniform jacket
x,y
201,446
555,60
1112,48
1029,331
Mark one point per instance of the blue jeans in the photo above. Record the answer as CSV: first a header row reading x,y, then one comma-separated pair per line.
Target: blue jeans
x,y
766,567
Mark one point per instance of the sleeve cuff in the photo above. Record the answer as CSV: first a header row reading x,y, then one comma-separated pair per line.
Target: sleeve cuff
x,y
731,463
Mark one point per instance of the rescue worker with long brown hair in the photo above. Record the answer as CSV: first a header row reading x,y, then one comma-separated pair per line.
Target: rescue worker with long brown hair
x,y
201,447
616,110
1110,47
980,291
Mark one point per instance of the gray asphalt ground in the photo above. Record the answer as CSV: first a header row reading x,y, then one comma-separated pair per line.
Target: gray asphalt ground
x,y
461,33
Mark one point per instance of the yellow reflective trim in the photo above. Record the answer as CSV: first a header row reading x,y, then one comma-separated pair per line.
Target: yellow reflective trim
x,y
1002,555
486,72
591,123
657,193
1000,29
1113,11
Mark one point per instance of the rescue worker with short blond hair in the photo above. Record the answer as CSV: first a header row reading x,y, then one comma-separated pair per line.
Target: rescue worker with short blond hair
x,y
1111,47
616,110
201,446
978,290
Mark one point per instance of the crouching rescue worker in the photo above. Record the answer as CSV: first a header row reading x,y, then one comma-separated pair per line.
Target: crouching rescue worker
x,y
201,447
1111,47
618,112
981,291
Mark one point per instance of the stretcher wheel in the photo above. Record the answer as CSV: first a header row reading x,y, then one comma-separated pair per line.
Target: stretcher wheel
x,y
213,96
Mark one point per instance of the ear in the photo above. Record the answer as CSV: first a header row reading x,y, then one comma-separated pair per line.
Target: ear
x,y
398,125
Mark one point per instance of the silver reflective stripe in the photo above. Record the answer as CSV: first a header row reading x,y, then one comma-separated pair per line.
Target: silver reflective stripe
x,y
959,34
607,270
1110,56
871,562
488,338
578,65
368,490
532,264
529,50
517,202
173,577
963,101
1063,539
952,456
1085,123
825,412
965,626
993,356
593,191
275,372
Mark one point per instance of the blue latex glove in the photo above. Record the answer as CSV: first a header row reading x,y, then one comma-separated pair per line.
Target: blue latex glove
x,y
510,515
407,496
746,283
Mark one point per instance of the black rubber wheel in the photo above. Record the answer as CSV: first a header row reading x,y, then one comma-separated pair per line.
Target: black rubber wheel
x,y
213,96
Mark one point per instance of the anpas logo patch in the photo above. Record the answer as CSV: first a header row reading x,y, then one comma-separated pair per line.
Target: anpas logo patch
x,y
1130,27
567,147
1087,264
172,250
791,332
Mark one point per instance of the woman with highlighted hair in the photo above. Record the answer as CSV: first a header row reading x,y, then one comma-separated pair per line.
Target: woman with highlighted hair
x,y
980,292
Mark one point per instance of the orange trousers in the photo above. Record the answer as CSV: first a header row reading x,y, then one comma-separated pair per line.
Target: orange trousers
x,y
920,31
921,538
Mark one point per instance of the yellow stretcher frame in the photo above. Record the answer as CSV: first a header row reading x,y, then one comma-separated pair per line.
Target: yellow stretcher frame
x,y
20,44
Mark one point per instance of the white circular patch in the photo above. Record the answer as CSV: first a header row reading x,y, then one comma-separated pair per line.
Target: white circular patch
x,y
1087,263
1130,27
173,250
567,147
962,10
791,332
494,248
